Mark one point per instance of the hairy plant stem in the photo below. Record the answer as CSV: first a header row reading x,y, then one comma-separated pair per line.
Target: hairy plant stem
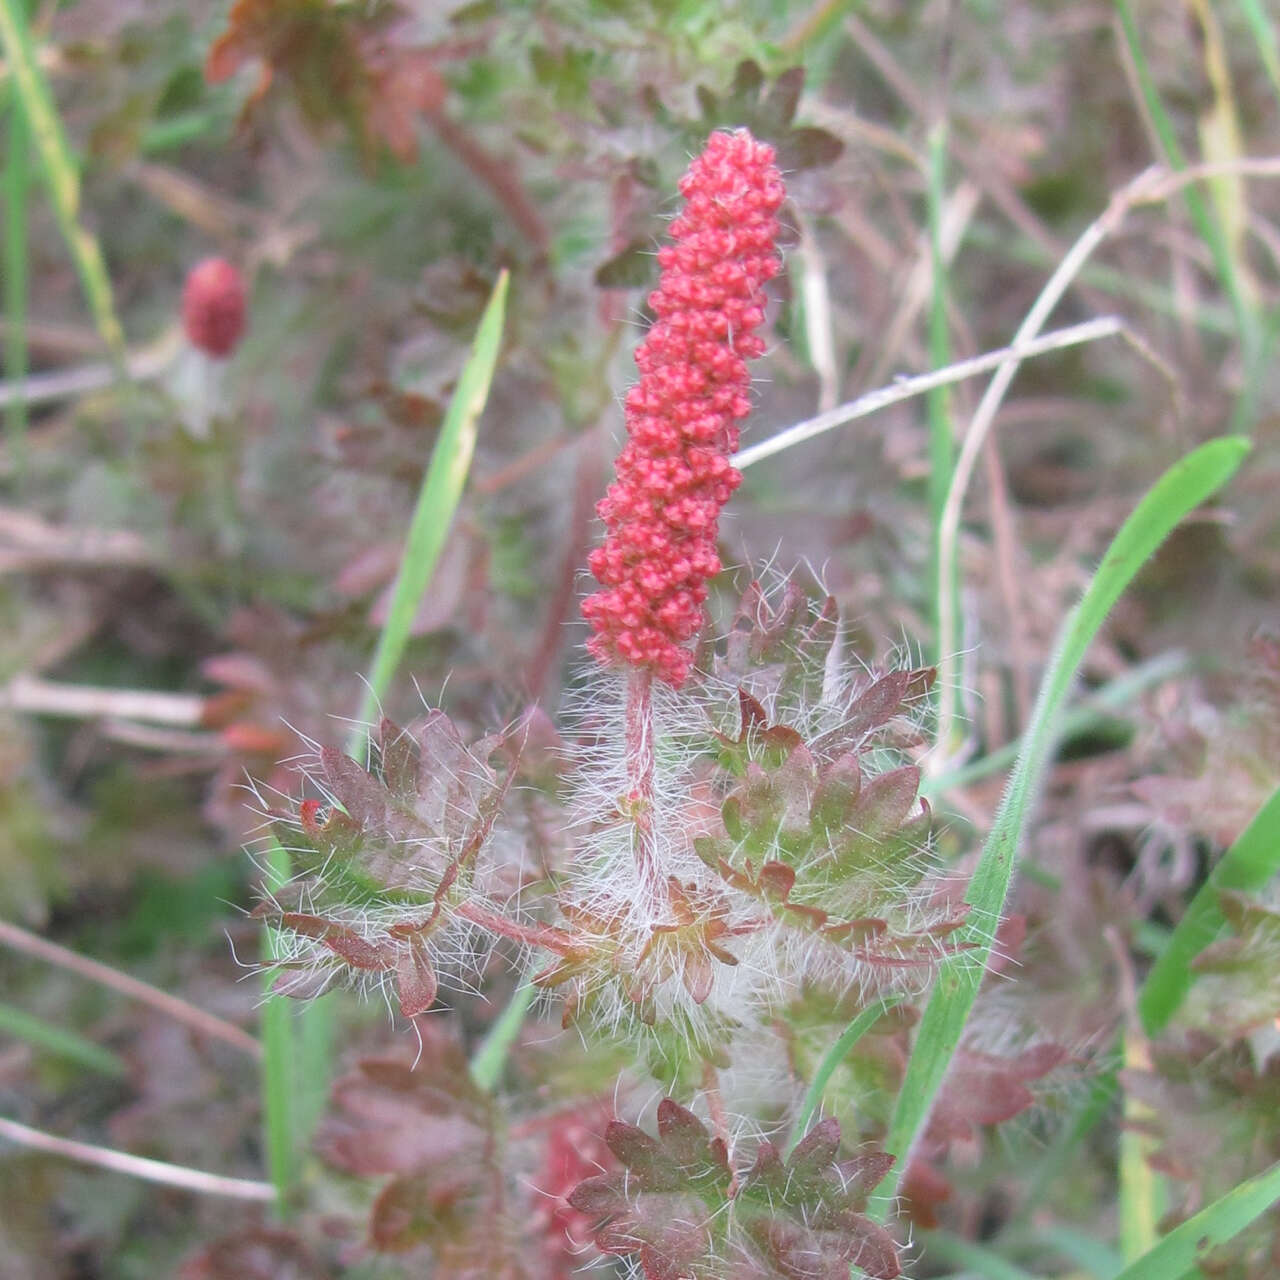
x,y
495,922
639,744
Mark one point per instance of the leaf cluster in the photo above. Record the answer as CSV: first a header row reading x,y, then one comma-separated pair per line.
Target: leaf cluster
x,y
678,1206
786,835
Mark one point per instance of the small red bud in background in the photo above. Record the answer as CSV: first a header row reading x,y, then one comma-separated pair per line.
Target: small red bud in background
x,y
213,307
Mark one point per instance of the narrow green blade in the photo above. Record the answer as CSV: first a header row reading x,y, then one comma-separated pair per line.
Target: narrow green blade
x,y
437,503
1185,1246
1182,488
60,173
59,1041
1248,865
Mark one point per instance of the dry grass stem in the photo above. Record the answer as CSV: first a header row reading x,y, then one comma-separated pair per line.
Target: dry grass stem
x,y
909,388
168,1175
205,1024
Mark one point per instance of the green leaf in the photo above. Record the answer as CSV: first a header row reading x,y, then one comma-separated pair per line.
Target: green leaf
x,y
437,503
1202,213
1182,488
1264,37
60,173
978,1259
857,1028
491,1055
1248,865
1185,1246
59,1041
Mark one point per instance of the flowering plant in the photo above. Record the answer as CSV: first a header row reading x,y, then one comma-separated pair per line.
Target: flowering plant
x,y
727,847
746,944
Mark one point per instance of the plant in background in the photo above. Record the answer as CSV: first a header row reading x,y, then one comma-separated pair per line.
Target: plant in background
x,y
785,1023
213,307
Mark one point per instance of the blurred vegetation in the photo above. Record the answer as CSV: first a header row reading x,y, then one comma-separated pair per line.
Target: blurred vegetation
x,y
225,535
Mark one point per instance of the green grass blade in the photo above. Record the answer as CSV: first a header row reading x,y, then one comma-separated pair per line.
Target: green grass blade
x,y
1098,1259
1202,214
60,173
1078,721
833,1057
942,436
1264,36
1185,1246
60,1042
491,1056
1142,1198
297,1051
1183,487
279,1110
16,181
437,503
1247,866
977,1259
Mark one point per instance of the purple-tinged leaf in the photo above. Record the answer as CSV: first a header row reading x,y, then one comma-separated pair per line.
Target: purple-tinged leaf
x,y
343,942
398,755
416,982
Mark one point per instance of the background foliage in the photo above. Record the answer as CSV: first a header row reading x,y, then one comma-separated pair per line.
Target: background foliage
x,y
225,541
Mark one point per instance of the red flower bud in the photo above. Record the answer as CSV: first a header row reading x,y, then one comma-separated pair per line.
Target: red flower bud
x,y
213,307
673,476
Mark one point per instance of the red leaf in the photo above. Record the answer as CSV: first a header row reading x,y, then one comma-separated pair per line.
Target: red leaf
x,y
778,880
415,979
343,942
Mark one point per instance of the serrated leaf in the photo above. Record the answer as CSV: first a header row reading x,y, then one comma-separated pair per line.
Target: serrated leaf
x,y
885,802
777,879
698,1155
816,1150
359,793
708,104
988,1089
805,1216
390,1117
673,1208
416,1210
872,708
254,1253
662,1202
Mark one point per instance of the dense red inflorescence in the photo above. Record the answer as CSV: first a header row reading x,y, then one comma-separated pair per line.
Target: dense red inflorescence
x,y
213,307
674,474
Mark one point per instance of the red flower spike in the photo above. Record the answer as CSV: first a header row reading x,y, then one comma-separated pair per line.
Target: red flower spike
x,y
213,307
674,474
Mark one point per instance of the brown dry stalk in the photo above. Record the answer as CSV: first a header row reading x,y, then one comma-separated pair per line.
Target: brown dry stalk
x,y
206,1024
169,1175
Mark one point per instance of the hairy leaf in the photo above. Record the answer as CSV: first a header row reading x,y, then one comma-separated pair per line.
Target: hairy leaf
x,y
677,1207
